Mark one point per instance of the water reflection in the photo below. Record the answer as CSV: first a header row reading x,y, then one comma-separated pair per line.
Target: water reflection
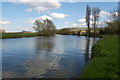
x,y
94,41
44,43
44,61
87,51
90,41
59,56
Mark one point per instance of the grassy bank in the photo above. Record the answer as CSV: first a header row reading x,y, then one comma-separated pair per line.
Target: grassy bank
x,y
104,63
17,35
21,35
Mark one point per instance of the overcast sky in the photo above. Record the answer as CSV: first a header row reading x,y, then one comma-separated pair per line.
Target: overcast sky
x,y
19,15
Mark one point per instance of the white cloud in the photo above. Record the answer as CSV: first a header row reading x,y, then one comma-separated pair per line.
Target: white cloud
x,y
4,22
44,17
58,15
79,24
82,20
71,1
91,16
39,5
113,14
104,13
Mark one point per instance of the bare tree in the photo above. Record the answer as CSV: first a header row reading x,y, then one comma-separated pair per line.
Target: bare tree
x,y
88,13
95,15
113,24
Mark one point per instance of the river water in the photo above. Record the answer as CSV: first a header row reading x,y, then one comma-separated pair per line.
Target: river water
x,y
60,56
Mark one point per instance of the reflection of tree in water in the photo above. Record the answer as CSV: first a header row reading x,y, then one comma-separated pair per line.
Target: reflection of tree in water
x,y
89,43
87,50
45,43
40,65
93,41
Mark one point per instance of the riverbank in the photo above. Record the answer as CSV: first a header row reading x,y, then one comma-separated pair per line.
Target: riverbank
x,y
22,35
19,35
104,63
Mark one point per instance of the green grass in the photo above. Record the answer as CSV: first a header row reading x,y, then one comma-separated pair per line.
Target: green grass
x,y
104,63
17,35
21,35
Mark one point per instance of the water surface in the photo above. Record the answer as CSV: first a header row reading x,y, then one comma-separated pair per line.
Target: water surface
x,y
60,56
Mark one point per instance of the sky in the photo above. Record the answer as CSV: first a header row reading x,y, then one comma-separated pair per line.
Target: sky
x,y
20,15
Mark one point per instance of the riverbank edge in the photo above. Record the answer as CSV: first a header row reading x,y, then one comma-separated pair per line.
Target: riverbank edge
x,y
25,35
20,35
104,62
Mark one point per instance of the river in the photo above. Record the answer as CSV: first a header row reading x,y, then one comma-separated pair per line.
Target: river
x,y
59,56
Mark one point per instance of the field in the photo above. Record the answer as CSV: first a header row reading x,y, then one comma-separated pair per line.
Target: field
x,y
17,35
104,63
21,35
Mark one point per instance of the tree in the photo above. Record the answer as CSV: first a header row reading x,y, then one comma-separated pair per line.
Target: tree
x,y
49,25
46,27
95,15
38,26
88,13
113,24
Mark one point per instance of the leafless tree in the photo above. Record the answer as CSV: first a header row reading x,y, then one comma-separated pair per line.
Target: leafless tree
x,y
88,13
95,15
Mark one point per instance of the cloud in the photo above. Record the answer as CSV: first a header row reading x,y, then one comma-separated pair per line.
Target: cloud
x,y
44,17
78,24
82,20
101,14
4,22
58,15
104,13
82,23
113,15
70,1
39,5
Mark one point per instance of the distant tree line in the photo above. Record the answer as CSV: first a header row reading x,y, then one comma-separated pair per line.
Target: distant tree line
x,y
67,31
